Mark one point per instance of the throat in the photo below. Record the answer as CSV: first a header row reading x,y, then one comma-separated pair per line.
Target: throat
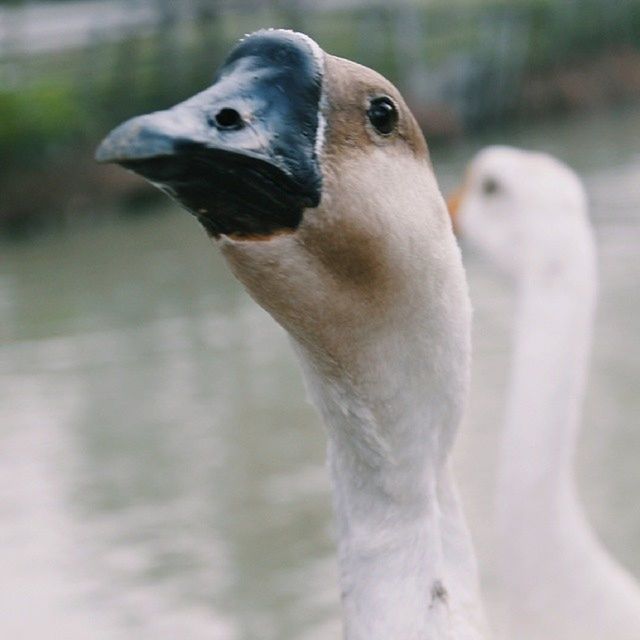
x,y
552,344
406,562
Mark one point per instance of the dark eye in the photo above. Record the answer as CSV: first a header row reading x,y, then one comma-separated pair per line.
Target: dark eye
x,y
383,114
490,186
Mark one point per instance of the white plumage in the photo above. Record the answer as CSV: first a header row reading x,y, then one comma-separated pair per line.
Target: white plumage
x,y
527,213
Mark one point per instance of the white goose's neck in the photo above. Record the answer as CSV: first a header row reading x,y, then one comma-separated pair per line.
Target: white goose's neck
x,y
537,505
406,562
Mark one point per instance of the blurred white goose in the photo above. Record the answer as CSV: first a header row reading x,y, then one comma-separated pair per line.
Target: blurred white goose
x,y
314,177
527,213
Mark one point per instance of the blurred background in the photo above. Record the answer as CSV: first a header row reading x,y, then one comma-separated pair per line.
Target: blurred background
x,y
161,474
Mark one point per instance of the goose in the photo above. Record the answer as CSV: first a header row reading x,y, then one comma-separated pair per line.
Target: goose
x,y
527,213
313,178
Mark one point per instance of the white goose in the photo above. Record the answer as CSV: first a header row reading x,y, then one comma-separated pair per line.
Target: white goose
x,y
527,212
315,180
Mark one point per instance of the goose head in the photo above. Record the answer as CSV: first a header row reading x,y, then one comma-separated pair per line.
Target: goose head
x,y
524,211
313,177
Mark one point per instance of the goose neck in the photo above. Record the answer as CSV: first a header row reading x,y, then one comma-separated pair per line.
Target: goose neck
x,y
551,350
406,562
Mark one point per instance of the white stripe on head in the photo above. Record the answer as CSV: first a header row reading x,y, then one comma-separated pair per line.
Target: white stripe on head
x,y
318,54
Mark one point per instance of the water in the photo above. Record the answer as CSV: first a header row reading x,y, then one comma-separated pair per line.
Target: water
x,y
161,474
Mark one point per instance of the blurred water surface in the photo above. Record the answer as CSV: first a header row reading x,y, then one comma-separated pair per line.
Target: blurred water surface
x,y
161,474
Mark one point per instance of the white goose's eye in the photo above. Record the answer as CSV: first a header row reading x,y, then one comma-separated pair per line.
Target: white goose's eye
x,y
490,186
383,115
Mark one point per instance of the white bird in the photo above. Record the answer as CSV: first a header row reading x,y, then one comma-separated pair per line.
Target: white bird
x,y
527,213
315,180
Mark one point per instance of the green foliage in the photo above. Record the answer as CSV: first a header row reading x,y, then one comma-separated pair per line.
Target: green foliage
x,y
39,118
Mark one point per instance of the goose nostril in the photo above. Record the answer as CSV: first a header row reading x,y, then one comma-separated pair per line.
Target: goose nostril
x,y
228,119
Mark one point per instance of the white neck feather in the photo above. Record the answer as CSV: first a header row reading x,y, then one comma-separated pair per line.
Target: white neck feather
x,y
559,582
552,339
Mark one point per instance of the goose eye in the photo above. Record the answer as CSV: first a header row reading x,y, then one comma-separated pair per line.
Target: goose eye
x,y
490,186
383,115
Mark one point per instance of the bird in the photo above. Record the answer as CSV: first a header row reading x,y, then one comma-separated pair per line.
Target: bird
x,y
526,212
313,178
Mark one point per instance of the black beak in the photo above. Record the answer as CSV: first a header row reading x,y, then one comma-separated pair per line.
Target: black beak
x,y
241,155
